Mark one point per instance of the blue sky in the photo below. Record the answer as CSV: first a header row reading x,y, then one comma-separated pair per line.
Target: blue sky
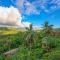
x,y
37,11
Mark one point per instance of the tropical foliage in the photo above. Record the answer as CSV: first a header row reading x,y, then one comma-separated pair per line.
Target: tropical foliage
x,y
32,45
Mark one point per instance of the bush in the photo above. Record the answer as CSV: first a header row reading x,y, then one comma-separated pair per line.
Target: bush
x,y
49,43
53,55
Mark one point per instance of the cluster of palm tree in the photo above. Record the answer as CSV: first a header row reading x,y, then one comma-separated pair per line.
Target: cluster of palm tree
x,y
48,31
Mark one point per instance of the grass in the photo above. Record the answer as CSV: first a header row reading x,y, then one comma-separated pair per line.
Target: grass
x,y
15,38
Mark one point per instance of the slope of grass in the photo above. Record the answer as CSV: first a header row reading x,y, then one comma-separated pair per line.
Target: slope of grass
x,y
12,38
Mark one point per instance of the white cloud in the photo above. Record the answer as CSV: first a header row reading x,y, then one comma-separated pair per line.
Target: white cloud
x,y
47,6
36,27
30,8
26,7
20,3
23,24
11,16
36,6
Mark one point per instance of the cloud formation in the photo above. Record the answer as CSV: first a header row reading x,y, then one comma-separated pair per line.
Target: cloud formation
x,y
47,5
11,16
30,8
25,7
37,6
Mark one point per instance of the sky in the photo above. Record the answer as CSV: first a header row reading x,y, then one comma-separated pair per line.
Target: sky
x,y
35,11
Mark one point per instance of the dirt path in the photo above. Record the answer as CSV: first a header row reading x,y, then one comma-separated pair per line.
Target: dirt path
x,y
11,52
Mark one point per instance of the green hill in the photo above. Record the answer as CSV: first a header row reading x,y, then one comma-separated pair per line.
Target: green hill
x,y
16,38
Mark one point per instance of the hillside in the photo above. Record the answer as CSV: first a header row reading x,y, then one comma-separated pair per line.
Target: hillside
x,y
16,38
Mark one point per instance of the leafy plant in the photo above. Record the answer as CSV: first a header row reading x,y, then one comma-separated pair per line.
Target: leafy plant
x,y
47,29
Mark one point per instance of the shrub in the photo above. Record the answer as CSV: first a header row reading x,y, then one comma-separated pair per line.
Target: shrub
x,y
53,55
49,43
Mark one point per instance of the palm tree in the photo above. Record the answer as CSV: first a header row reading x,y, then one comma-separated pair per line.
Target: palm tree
x,y
29,37
48,29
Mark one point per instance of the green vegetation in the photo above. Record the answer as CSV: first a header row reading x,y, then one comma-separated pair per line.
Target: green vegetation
x,y
32,45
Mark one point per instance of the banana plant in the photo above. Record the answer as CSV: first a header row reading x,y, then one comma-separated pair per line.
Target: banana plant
x,y
29,37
